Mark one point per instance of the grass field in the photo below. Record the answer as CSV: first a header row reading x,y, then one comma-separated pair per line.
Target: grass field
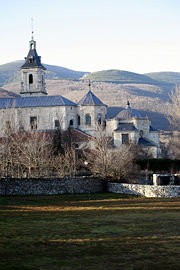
x,y
97,232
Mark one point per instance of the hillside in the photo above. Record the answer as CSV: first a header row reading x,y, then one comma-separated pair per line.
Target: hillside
x,y
10,72
120,76
5,93
171,77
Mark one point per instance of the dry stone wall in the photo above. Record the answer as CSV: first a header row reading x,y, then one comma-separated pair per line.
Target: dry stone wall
x,y
145,190
50,186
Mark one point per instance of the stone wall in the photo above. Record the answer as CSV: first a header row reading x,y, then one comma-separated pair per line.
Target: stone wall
x,y
144,190
50,186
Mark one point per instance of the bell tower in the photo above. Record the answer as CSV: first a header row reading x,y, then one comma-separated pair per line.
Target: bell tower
x,y
33,73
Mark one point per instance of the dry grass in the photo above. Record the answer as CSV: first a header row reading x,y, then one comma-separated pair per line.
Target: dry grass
x,y
96,231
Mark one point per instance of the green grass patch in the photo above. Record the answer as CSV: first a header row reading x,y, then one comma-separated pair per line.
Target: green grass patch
x,y
96,231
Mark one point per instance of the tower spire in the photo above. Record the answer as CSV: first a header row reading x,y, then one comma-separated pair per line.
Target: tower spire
x,y
89,85
32,30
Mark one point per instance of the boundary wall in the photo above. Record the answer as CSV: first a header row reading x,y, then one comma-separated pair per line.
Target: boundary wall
x,y
51,186
144,190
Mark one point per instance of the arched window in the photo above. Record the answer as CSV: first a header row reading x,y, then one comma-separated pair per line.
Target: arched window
x,y
88,119
141,133
71,123
30,78
99,118
79,120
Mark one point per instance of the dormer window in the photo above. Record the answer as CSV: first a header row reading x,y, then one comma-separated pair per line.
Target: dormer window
x,y
31,60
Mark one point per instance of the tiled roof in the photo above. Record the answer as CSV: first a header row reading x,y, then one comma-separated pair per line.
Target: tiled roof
x,y
48,135
41,101
126,127
129,114
145,142
90,99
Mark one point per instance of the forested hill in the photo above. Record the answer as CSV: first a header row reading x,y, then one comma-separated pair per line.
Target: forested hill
x,y
121,76
171,77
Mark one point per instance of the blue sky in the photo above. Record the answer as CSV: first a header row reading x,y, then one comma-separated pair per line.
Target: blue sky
x,y
88,35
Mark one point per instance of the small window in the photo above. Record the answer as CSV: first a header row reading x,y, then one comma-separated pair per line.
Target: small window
x,y
125,138
88,119
30,78
56,123
71,123
30,60
33,122
99,118
79,120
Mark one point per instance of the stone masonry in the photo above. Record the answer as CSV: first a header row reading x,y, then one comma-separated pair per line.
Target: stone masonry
x,y
50,186
144,190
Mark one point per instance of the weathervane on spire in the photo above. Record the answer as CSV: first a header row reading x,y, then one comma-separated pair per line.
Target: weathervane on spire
x,y
128,103
32,28
89,85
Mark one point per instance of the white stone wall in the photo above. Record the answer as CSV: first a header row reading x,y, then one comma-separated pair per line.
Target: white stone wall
x,y
93,111
142,124
111,125
154,137
71,114
38,84
46,116
118,137
144,190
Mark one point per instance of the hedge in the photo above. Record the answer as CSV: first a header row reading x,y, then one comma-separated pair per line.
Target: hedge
x,y
159,165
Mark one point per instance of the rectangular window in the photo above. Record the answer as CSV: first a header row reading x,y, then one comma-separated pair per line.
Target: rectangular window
x,y
56,123
125,138
33,122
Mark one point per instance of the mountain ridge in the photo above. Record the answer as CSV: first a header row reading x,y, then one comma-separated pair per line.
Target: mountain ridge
x,y
10,73
121,76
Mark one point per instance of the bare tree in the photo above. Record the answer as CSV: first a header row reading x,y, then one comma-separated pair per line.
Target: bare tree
x,y
174,109
111,163
174,119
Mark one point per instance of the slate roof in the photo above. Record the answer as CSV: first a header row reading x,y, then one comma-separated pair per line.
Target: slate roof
x,y
36,60
90,99
41,101
126,127
129,113
145,142
152,129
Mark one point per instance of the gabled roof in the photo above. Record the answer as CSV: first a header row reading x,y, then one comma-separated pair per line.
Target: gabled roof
x,y
41,101
126,127
90,99
145,142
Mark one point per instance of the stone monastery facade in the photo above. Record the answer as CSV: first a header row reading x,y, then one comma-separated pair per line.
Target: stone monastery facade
x,y
35,110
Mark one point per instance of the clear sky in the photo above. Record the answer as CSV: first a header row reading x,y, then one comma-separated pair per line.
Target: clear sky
x,y
91,35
